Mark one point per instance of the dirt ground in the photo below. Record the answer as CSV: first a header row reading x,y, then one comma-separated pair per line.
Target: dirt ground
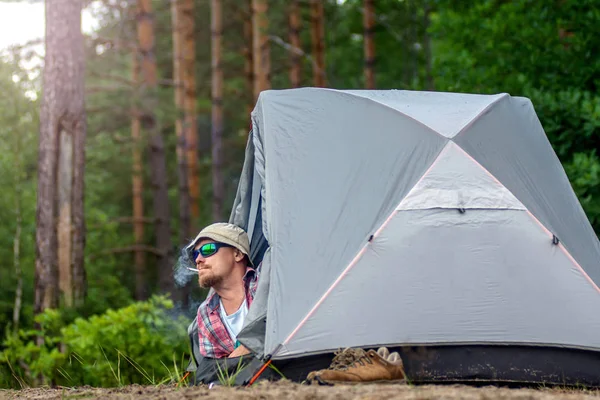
x,y
287,390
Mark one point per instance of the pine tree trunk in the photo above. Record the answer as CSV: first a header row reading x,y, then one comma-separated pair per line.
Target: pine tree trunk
x,y
18,270
318,42
190,126
149,123
182,173
65,216
17,239
295,60
248,60
61,161
139,260
217,109
369,45
260,47
79,272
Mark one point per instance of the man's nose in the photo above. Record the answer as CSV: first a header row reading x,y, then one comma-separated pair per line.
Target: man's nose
x,y
199,259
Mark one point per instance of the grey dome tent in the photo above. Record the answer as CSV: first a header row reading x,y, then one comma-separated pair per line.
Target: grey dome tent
x,y
441,225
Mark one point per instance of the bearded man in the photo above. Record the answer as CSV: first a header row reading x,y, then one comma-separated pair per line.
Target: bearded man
x,y
221,254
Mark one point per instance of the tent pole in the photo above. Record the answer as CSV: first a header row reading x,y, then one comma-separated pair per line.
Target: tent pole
x,y
259,373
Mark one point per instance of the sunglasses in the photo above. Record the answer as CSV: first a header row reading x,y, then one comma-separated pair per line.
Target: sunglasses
x,y
208,249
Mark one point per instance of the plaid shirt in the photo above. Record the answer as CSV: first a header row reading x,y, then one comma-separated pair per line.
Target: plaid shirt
x,y
215,341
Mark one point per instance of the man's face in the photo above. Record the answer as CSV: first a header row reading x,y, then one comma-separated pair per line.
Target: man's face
x,y
212,270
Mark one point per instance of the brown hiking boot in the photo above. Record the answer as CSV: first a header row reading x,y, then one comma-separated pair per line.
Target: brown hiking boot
x,y
358,366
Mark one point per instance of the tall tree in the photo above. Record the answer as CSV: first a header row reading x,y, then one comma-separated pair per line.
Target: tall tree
x,y
18,171
369,44
248,58
260,47
138,189
295,59
149,123
17,257
317,30
188,75
182,172
216,24
61,161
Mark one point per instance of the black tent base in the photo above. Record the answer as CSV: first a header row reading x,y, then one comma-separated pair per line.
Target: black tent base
x,y
513,365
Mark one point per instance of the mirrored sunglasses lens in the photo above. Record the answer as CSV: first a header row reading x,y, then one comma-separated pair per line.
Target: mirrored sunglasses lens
x,y
208,249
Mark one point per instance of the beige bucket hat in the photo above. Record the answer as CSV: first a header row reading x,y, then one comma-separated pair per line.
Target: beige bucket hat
x,y
225,233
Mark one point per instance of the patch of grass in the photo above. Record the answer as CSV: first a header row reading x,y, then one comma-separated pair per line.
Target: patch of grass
x,y
177,375
151,379
65,374
76,357
17,378
225,379
118,374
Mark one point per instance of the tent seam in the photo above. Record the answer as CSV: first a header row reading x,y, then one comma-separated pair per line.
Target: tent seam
x,y
566,252
437,158
390,108
485,110
466,208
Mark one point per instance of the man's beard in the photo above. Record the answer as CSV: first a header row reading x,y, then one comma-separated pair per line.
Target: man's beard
x,y
209,280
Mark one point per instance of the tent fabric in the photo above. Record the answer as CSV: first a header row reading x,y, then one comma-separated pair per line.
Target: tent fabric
x,y
536,295
402,217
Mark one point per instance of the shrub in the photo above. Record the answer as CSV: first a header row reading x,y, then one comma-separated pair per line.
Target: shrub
x,y
142,343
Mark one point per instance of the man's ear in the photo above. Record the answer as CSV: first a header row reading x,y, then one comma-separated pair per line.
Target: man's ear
x,y
239,256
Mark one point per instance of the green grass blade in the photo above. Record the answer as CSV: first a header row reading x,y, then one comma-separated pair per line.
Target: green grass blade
x,y
139,368
111,368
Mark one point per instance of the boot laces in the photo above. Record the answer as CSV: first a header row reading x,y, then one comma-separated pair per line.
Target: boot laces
x,y
349,358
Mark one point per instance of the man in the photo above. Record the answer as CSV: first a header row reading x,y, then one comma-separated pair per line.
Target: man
x,y
221,254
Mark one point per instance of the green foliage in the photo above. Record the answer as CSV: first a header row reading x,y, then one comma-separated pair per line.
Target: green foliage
x,y
584,173
571,119
546,51
129,345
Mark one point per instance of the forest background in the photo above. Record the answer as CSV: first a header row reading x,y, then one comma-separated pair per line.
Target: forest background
x,y
159,102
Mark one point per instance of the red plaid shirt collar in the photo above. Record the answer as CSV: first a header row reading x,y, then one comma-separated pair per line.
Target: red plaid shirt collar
x,y
214,338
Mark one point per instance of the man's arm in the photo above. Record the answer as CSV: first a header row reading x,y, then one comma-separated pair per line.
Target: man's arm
x,y
240,351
